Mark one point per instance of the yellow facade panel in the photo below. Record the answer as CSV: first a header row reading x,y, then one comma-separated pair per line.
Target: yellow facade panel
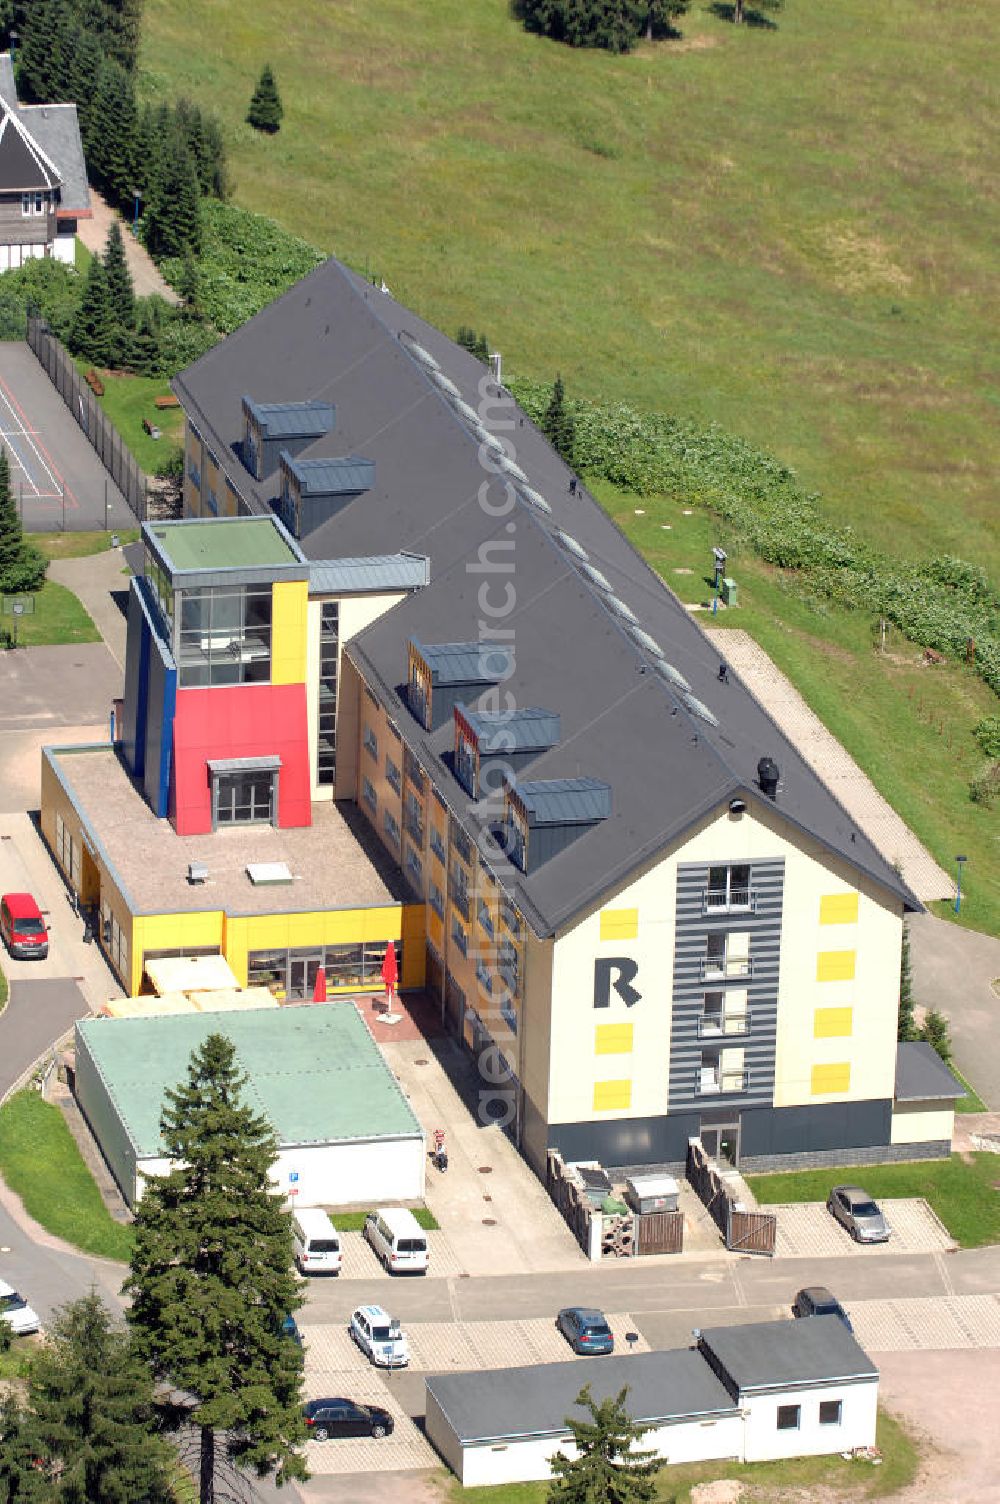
x,y
289,619
611,1095
828,1079
835,966
838,908
833,1023
613,1039
619,924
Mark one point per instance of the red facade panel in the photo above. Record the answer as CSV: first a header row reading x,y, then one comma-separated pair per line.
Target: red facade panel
x,y
246,720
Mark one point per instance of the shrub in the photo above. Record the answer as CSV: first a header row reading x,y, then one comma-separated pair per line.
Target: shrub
x,y
935,1033
985,787
987,734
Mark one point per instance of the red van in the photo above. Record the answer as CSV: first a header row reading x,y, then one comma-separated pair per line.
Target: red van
x,y
22,926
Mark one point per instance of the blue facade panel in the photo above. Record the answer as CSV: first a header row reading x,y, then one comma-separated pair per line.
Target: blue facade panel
x,y
136,684
161,701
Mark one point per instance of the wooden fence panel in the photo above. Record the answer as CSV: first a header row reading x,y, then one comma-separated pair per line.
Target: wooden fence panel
x,y
661,1232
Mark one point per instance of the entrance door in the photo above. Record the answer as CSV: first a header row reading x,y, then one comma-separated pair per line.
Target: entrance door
x,y
721,1142
302,971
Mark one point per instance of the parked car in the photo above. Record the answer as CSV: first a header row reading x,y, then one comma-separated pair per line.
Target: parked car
x,y
380,1337
290,1328
817,1300
316,1242
585,1330
856,1211
22,927
340,1417
17,1313
398,1239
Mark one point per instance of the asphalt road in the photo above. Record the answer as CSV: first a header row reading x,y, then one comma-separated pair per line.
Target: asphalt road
x,y
37,1013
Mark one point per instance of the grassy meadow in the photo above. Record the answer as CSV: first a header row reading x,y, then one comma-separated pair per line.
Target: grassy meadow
x,y
788,232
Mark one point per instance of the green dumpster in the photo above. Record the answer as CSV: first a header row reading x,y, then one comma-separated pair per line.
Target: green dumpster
x,y
729,592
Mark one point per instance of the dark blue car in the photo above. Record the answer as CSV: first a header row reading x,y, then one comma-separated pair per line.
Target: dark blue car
x,y
817,1300
586,1331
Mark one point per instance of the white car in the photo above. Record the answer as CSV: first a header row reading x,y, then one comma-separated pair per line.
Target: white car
x,y
380,1336
17,1313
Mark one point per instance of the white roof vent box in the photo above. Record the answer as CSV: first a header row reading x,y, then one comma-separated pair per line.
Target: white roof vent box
x,y
268,874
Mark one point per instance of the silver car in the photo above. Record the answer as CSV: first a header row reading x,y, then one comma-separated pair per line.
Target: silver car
x,y
855,1210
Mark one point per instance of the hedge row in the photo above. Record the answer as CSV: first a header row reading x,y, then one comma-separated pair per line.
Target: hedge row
x,y
940,603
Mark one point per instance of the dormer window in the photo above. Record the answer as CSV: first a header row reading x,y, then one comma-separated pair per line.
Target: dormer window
x,y
442,675
488,744
544,816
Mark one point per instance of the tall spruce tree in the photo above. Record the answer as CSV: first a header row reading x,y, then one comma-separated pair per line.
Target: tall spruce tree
x,y
93,333
120,290
22,565
91,1396
22,1479
266,109
212,1277
607,1468
558,424
906,1026
112,141
172,218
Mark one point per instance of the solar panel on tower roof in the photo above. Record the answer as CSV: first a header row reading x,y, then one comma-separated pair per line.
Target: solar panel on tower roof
x,y
571,546
672,675
534,499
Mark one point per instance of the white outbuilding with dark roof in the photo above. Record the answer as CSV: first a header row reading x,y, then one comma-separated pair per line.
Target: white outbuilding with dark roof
x,y
752,1393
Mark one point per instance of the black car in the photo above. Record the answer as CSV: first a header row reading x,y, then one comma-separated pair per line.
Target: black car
x,y
818,1301
339,1417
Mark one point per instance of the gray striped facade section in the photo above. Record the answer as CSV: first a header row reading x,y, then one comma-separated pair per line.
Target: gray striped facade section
x,y
692,928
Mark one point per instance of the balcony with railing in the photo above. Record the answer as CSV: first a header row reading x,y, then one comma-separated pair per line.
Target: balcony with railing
x,y
723,1025
728,901
726,968
716,1080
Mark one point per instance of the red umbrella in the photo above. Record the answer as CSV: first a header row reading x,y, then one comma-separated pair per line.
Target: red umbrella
x,y
390,971
319,991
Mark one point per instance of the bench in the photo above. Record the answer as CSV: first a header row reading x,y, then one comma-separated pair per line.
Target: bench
x,y
94,382
164,402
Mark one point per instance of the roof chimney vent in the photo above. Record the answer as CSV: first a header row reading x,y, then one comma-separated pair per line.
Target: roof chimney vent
x,y
768,775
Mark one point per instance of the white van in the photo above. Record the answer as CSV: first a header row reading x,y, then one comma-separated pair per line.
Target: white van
x,y
317,1242
398,1239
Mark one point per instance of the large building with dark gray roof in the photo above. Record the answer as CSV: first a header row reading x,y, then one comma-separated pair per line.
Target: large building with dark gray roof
x,y
629,894
43,177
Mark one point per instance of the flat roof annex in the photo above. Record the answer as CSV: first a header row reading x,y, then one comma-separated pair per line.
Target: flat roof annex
x,y
313,1070
768,1355
518,1403
217,543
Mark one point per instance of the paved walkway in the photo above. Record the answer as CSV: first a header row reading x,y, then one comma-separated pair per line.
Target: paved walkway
x,y
953,970
94,234
38,1013
99,581
835,766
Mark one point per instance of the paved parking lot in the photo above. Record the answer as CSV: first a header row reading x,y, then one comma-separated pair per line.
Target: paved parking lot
x,y
807,1230
945,1322
361,1261
405,1449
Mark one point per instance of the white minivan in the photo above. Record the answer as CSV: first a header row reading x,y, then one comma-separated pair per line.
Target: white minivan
x,y
317,1242
398,1239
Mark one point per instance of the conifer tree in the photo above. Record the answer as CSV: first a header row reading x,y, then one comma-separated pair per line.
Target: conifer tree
x,y
93,333
558,424
266,109
112,134
906,1029
212,1278
91,1396
171,222
121,293
22,1479
144,352
607,1468
936,1033
188,285
22,566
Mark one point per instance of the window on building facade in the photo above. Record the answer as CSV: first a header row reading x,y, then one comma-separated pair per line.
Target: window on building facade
x,y
246,797
485,918
789,1417
465,765
391,826
326,721
509,966
713,1013
483,977
511,918
437,844
393,777
414,772
369,795
723,960
225,636
515,838
459,936
830,1412
419,691
508,1012
371,742
436,898
413,818
292,974
458,888
728,888
414,867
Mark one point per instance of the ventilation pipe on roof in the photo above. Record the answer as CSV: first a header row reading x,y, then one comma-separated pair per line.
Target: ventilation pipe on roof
x,y
767,776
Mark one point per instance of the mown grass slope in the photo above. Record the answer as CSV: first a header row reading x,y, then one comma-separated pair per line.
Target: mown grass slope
x,y
787,231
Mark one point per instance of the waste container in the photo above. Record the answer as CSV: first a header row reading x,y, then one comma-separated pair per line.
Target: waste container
x,y
729,591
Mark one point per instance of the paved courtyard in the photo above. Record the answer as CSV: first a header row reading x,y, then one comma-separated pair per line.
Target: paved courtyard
x,y
807,1230
943,1323
361,1262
